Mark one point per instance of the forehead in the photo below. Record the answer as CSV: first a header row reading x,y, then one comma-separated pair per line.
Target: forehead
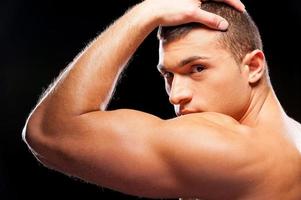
x,y
198,42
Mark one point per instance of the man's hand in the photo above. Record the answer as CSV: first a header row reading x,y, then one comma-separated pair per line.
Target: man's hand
x,y
175,12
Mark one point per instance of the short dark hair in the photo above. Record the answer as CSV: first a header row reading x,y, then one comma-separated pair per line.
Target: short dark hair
x,y
241,37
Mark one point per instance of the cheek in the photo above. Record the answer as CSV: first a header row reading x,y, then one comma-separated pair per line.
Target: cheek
x,y
233,88
226,91
228,80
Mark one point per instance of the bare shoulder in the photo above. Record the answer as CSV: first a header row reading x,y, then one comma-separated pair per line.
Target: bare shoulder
x,y
155,157
294,132
207,133
214,120
295,124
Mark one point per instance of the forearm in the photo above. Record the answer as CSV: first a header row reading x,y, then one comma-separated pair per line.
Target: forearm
x,y
88,82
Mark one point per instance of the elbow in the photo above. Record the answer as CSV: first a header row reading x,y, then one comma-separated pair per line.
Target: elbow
x,y
36,136
32,133
39,135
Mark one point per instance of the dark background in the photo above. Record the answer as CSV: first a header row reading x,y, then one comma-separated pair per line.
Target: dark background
x,y
39,38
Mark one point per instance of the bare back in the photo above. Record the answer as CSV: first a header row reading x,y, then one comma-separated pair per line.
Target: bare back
x,y
280,137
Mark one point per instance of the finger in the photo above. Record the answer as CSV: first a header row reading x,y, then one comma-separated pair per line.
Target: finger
x,y
211,20
235,3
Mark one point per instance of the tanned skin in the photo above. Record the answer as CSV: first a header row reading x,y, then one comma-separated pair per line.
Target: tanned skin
x,y
231,139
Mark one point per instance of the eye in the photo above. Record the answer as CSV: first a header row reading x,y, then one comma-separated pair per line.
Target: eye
x,y
167,75
197,68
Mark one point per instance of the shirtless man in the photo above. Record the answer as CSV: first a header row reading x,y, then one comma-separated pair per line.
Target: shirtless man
x,y
231,139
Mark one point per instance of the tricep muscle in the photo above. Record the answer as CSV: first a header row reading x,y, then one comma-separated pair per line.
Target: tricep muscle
x,y
140,154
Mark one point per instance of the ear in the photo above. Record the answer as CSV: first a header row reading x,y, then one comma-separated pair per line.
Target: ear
x,y
255,64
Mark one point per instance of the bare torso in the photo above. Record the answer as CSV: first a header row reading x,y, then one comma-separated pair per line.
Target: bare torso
x,y
282,137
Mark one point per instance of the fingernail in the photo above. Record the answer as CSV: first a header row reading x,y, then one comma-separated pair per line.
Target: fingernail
x,y
243,7
223,25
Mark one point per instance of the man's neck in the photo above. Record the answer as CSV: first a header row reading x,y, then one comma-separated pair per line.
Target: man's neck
x,y
263,105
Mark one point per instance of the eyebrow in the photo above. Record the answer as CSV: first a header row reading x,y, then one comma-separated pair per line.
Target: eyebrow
x,y
183,62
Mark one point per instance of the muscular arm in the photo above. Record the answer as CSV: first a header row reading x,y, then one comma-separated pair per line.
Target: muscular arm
x,y
130,151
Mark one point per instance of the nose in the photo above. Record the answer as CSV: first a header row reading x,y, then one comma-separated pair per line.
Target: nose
x,y
180,91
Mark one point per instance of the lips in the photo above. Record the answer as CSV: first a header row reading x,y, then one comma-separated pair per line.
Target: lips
x,y
182,110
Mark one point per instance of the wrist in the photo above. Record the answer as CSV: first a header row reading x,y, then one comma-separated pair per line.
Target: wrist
x,y
147,15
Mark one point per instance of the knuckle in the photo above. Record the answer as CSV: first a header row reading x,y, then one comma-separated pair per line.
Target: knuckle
x,y
190,12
